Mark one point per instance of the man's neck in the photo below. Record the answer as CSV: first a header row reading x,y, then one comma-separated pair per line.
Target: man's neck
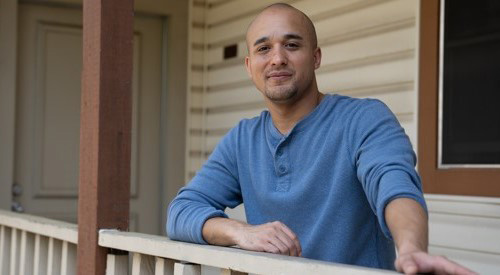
x,y
286,115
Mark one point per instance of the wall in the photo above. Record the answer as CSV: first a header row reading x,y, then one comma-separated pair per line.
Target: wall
x,y
369,50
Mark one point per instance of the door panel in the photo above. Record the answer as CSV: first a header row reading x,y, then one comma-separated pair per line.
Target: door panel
x,y
48,115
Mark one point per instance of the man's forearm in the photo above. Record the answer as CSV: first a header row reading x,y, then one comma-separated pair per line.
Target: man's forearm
x,y
220,231
408,224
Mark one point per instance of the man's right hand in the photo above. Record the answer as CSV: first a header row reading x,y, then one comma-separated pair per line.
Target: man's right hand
x,y
274,237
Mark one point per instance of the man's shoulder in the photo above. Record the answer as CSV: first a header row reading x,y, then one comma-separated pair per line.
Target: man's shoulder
x,y
248,125
352,105
355,101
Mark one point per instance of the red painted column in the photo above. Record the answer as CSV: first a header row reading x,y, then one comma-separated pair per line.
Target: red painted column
x,y
105,133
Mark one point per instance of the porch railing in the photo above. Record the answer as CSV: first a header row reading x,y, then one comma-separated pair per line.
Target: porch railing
x,y
35,245
158,255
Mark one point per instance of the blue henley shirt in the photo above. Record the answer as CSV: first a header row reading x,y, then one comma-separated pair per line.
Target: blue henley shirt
x,y
329,180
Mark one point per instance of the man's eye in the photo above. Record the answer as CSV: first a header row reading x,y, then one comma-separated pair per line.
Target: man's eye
x,y
291,45
262,49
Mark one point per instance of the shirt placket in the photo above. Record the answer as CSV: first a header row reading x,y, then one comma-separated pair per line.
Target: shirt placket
x,y
282,167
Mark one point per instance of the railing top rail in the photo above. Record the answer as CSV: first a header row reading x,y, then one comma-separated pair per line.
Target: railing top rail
x,y
46,227
224,257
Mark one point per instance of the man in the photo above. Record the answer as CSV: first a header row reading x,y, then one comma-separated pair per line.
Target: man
x,y
322,176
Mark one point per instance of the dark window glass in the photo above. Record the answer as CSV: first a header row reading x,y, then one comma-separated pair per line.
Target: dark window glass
x,y
471,82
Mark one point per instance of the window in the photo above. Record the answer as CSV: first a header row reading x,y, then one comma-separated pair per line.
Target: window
x,y
459,90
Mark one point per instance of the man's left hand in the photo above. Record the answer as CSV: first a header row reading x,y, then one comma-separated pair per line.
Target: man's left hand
x,y
421,262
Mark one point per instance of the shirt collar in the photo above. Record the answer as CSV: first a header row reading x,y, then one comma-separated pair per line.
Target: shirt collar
x,y
301,125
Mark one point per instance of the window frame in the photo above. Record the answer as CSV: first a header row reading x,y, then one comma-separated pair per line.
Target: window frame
x,y
452,181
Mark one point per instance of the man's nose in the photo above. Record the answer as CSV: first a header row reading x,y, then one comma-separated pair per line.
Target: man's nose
x,y
279,57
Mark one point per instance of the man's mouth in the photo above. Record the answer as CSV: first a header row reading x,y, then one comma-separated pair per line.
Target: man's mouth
x,y
279,75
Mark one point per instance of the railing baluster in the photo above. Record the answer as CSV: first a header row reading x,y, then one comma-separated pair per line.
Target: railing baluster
x,y
187,269
164,266
26,255
136,263
50,256
40,257
142,264
116,264
64,257
14,247
68,259
54,257
4,249
22,257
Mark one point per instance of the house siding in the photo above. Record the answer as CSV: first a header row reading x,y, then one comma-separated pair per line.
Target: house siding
x,y
369,50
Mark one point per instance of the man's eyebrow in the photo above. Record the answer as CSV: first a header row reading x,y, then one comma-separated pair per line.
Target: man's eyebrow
x,y
261,40
293,36
287,36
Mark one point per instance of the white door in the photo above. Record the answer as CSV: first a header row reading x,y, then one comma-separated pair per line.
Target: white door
x,y
48,116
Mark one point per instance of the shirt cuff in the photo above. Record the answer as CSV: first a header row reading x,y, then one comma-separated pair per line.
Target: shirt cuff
x,y
199,227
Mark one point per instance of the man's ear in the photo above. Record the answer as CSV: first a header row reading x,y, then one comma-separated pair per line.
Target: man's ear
x,y
247,66
317,58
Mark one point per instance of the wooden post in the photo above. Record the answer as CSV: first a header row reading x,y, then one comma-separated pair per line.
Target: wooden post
x,y
105,139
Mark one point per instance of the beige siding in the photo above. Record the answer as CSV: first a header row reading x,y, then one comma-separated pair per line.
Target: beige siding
x,y
196,87
369,50
466,229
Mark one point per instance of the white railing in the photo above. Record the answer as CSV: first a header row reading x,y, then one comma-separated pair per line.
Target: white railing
x,y
36,245
160,255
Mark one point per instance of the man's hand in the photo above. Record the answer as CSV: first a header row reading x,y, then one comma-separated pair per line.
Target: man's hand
x,y
274,237
407,222
421,262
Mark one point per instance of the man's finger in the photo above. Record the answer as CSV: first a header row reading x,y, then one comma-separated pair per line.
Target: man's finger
x,y
271,248
450,267
292,247
283,248
292,237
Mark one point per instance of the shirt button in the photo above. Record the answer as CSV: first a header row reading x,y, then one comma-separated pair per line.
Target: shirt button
x,y
282,169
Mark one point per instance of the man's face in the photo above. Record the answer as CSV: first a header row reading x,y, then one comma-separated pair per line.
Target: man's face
x,y
282,55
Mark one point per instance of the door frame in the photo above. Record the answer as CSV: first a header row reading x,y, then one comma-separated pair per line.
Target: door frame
x,y
8,76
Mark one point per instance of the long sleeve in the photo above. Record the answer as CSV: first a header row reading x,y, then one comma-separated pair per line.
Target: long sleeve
x,y
213,188
384,159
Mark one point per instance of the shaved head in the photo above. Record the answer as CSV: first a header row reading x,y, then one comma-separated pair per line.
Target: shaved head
x,y
308,24
283,54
